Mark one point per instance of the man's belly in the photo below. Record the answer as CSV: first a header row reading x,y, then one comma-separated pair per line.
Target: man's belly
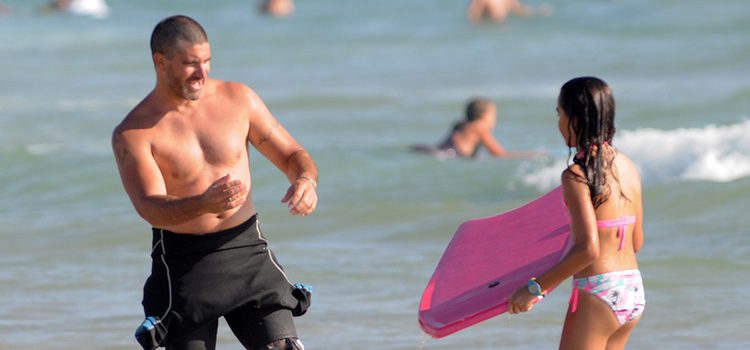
x,y
214,222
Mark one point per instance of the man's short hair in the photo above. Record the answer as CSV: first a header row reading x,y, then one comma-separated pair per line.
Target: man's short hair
x,y
171,30
477,107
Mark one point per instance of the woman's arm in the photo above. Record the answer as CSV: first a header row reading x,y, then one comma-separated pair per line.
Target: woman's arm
x,y
585,248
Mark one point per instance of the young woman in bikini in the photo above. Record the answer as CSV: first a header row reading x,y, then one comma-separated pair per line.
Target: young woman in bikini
x,y
602,189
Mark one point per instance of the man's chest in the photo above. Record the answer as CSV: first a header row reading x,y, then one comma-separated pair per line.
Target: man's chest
x,y
188,146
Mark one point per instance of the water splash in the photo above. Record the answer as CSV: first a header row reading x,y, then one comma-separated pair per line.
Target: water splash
x,y
711,153
424,342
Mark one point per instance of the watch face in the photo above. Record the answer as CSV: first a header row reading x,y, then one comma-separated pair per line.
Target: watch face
x,y
534,288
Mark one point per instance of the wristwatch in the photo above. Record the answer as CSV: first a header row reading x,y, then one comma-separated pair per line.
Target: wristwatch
x,y
535,288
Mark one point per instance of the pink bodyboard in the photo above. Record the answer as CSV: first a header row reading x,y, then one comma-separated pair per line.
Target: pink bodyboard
x,y
488,259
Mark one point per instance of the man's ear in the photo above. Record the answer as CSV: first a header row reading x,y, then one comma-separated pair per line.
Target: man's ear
x,y
159,60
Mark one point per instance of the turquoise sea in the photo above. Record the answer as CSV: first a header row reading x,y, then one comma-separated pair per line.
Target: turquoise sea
x,y
357,82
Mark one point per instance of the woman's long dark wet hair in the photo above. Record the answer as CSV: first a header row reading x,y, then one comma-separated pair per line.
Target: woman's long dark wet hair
x,y
590,106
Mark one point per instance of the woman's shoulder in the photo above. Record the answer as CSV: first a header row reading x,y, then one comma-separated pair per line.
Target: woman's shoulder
x,y
573,179
626,164
574,172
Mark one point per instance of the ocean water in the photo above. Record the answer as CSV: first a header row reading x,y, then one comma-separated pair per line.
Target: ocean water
x,y
357,82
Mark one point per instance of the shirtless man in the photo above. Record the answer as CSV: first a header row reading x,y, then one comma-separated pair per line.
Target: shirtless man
x,y
496,10
182,153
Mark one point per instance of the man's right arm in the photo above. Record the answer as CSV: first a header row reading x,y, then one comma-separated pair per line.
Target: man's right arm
x,y
145,186
147,190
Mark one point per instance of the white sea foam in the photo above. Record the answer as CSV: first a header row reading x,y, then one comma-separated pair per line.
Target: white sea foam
x,y
710,153
39,149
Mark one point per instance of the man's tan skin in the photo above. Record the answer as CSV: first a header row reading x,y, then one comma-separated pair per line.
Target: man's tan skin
x,y
183,155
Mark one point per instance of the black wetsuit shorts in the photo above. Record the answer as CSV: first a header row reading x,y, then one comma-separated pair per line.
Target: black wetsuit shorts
x,y
198,278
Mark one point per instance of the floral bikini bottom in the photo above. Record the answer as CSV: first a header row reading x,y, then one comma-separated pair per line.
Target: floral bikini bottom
x,y
621,290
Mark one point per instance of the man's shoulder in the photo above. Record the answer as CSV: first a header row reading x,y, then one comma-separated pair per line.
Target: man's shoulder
x,y
237,93
139,118
231,87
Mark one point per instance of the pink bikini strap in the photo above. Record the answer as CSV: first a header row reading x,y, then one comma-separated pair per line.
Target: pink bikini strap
x,y
620,223
573,302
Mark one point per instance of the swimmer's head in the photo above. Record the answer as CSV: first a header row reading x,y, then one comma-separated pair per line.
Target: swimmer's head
x,y
174,31
478,108
589,106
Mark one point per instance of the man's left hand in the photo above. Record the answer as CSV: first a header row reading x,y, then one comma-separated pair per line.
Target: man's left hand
x,y
301,196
